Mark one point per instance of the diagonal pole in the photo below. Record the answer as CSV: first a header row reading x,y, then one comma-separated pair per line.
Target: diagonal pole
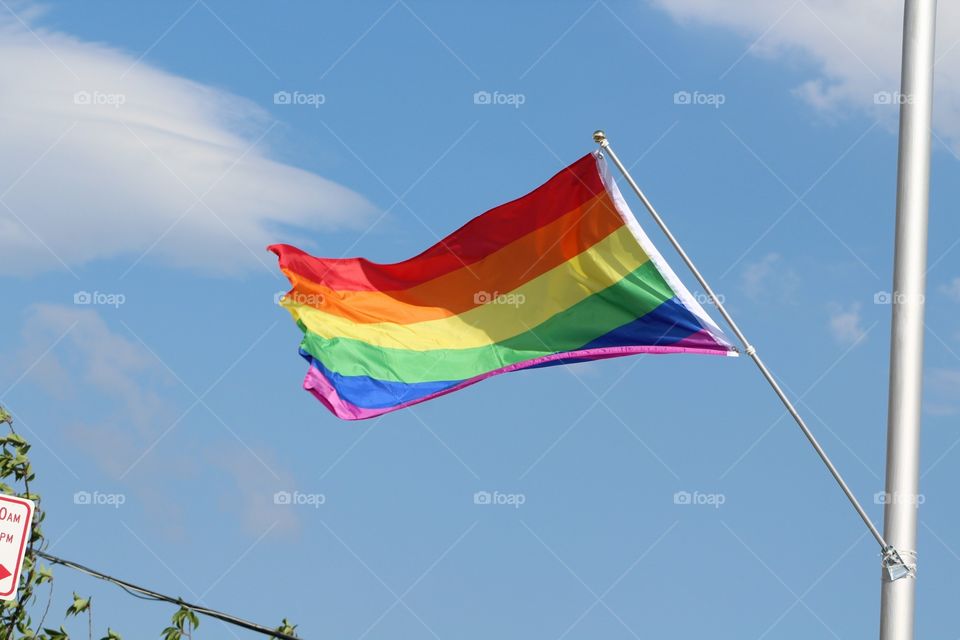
x,y
890,554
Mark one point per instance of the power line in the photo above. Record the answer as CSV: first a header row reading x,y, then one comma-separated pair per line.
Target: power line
x,y
149,594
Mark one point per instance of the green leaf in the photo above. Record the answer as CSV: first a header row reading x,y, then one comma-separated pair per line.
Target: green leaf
x,y
287,627
79,605
184,617
57,634
44,574
171,633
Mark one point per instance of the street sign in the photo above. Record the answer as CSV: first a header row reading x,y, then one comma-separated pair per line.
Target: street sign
x,y
16,518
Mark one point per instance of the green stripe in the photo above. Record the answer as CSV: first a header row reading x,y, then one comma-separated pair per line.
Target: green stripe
x,y
634,296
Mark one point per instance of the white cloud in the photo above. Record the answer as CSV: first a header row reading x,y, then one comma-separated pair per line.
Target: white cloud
x,y
102,155
942,388
113,399
855,45
90,358
756,276
952,289
769,278
255,484
125,412
846,324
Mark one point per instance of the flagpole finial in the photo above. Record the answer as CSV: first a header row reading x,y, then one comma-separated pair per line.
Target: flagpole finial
x,y
600,137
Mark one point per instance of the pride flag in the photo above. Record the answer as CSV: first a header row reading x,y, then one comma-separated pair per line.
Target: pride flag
x,y
564,274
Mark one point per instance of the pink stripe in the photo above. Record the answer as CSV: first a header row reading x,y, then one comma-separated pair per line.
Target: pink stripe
x,y
321,388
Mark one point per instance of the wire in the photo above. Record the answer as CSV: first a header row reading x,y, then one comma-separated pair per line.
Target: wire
x,y
148,594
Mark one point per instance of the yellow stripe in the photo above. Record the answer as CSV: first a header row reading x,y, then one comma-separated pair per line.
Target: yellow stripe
x,y
505,315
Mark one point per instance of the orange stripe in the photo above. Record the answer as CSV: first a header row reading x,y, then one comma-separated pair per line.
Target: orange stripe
x,y
453,293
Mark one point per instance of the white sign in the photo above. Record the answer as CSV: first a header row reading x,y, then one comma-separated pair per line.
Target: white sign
x,y
16,518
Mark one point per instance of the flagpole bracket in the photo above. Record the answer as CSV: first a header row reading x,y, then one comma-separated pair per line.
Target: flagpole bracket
x,y
894,565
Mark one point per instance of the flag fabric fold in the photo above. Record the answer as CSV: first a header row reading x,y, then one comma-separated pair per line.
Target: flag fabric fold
x,y
563,274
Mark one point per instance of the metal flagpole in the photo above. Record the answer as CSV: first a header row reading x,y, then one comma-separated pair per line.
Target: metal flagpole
x,y
897,591
891,557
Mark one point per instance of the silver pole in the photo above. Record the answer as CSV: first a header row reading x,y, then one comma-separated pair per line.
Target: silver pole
x,y
601,138
897,591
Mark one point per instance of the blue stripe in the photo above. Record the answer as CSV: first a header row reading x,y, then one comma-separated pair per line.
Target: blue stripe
x,y
370,393
667,324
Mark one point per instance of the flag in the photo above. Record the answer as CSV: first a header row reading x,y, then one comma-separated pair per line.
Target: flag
x,y
563,274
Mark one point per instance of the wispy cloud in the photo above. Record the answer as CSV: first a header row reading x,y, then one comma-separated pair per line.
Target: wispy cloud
x,y
854,45
952,289
846,324
252,495
117,401
104,156
88,357
769,278
942,388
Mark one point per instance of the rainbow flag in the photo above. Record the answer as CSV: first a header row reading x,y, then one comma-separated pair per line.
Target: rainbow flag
x,y
564,274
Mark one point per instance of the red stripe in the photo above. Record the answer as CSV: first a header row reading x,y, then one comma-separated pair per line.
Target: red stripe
x,y
477,239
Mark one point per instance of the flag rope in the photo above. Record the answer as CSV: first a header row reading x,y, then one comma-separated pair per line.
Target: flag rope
x,y
149,594
891,557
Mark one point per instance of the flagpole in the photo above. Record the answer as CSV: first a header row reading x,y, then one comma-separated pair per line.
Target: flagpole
x,y
898,590
890,555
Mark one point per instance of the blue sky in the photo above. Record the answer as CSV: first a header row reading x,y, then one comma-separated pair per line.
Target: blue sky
x,y
147,163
